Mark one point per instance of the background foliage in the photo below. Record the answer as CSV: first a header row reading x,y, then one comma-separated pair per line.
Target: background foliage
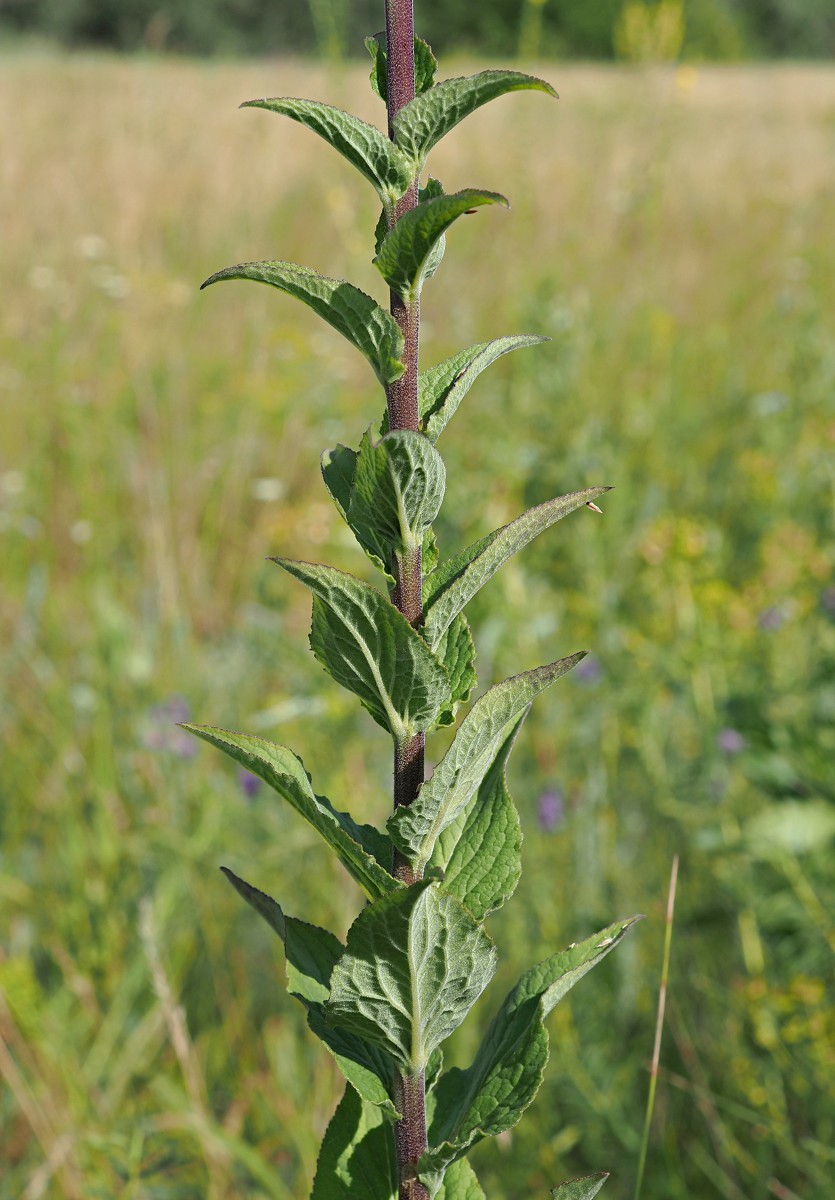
x,y
672,232
568,28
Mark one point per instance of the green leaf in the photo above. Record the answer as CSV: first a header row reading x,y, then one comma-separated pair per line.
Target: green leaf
x,y
357,1160
429,552
442,388
425,65
371,649
397,491
310,954
358,847
454,583
491,1095
581,1189
415,964
422,122
352,313
460,1183
363,145
479,853
457,653
407,247
338,467
415,829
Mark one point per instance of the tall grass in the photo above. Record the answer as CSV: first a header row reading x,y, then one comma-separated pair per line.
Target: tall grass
x,y
157,446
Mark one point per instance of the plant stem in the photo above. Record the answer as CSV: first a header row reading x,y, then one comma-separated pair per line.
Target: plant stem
x,y
402,402
659,1025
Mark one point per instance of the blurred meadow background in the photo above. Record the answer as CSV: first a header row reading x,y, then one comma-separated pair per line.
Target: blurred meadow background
x,y
672,232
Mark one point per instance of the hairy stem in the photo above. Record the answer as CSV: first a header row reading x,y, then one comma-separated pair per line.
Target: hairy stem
x,y
402,401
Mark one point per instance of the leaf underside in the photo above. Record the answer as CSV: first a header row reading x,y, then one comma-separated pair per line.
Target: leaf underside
x,y
581,1189
371,649
359,319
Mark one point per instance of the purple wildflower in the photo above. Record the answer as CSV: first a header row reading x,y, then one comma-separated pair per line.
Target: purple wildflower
x,y
162,733
771,618
589,670
248,783
551,810
730,740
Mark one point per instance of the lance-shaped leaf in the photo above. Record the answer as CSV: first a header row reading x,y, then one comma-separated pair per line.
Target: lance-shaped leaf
x,y
442,388
415,964
310,955
371,649
397,490
415,829
457,653
425,65
360,848
407,247
363,145
479,853
585,1188
426,119
357,1159
454,583
351,312
491,1095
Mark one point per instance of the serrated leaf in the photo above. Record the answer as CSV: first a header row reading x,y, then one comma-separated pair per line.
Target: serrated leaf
x,y
363,145
397,491
442,388
338,467
415,963
422,122
415,829
371,649
425,65
358,847
479,853
454,584
357,1159
407,247
457,653
460,1183
491,1095
352,313
585,1188
310,954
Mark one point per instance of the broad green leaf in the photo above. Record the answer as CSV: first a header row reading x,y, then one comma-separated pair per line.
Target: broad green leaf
x,y
480,851
397,491
457,653
310,954
442,388
422,122
460,772
581,1189
338,467
460,1183
371,649
352,313
357,1160
407,247
363,145
415,964
429,552
491,1095
455,583
425,65
359,848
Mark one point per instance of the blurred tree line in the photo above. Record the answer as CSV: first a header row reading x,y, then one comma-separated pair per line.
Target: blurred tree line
x,y
696,29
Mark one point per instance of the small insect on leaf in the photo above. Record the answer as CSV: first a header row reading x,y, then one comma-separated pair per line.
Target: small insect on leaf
x,y
594,507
